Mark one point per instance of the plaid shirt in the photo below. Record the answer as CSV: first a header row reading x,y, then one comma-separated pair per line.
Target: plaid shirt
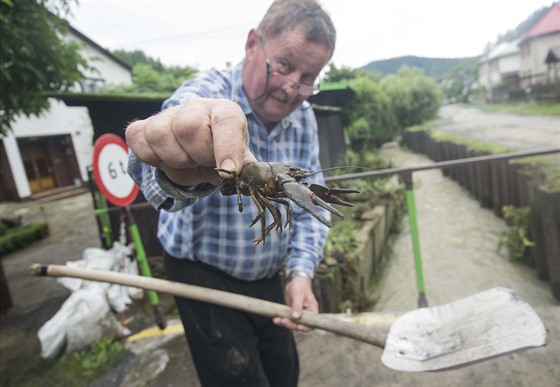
x,y
206,226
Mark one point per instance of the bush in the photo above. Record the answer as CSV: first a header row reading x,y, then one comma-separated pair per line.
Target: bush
x,y
19,237
516,237
6,224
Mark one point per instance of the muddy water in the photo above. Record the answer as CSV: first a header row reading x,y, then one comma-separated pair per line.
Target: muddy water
x,y
459,244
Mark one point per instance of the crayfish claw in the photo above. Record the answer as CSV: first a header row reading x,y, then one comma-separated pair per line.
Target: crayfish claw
x,y
303,197
329,194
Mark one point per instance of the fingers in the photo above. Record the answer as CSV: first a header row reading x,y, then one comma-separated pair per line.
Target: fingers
x,y
290,324
300,297
189,140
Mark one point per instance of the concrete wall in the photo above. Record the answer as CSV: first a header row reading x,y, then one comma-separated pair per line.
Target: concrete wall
x,y
342,283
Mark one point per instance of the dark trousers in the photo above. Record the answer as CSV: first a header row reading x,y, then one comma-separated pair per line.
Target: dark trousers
x,y
230,347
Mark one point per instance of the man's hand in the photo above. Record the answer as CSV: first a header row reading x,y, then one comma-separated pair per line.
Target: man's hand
x,y
300,297
190,140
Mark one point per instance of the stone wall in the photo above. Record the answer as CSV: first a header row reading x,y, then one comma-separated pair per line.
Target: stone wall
x,y
341,283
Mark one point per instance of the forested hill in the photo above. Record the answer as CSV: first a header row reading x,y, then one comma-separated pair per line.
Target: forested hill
x,y
432,67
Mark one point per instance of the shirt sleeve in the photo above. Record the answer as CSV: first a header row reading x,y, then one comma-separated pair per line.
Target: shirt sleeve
x,y
308,234
159,191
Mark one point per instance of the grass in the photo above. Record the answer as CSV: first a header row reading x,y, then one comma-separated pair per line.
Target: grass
x,y
75,370
549,109
469,143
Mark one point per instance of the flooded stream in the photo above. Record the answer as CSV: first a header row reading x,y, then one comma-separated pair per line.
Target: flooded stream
x,y
459,244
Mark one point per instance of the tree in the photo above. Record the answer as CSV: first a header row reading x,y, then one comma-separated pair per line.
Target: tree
x,y
149,75
138,56
415,97
335,74
145,79
461,82
36,58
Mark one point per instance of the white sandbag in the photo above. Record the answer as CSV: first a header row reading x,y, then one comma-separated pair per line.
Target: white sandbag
x,y
119,296
87,315
115,259
83,318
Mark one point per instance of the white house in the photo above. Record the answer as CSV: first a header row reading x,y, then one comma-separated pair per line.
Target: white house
x,y
500,65
55,149
525,66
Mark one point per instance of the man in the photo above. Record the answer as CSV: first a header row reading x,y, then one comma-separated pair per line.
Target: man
x,y
256,110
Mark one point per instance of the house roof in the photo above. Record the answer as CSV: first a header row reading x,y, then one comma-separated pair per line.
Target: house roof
x,y
331,95
549,23
99,48
503,50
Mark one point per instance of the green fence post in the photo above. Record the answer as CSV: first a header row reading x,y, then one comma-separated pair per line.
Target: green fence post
x,y
104,219
411,206
144,267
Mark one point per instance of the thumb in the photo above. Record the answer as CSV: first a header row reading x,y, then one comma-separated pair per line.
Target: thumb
x,y
230,136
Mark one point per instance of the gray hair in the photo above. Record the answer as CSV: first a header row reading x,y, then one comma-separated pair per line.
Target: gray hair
x,y
284,15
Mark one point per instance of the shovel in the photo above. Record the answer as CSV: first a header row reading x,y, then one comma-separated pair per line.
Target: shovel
x,y
477,327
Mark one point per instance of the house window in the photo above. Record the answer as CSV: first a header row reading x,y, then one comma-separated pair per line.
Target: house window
x,y
92,85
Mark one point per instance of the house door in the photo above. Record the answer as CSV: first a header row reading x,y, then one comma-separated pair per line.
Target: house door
x,y
37,165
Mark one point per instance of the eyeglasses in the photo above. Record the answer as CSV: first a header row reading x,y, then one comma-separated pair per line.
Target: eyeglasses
x,y
302,89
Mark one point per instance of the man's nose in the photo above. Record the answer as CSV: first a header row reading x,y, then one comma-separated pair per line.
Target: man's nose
x,y
291,87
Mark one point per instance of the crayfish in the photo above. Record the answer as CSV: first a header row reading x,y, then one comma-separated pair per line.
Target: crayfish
x,y
275,182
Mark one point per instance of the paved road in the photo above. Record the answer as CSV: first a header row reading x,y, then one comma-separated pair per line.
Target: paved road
x,y
520,132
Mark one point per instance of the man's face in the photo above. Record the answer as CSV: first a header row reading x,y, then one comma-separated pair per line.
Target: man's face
x,y
293,61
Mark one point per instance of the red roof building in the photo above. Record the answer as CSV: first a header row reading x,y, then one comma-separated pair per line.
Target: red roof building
x,y
537,65
548,24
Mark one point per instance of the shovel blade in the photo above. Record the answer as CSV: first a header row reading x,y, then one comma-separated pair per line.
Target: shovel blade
x,y
477,327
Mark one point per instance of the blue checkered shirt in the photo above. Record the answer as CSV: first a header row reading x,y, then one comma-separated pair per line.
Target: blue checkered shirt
x,y
208,227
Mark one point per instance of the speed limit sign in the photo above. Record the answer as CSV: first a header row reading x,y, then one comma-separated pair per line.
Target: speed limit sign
x,y
110,159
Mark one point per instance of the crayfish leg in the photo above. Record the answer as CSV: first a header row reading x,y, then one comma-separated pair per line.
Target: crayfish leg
x,y
257,201
288,210
235,177
263,204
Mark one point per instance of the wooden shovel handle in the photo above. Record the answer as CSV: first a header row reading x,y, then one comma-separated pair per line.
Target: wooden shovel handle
x,y
236,301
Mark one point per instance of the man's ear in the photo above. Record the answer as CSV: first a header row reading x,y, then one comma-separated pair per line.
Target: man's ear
x,y
252,43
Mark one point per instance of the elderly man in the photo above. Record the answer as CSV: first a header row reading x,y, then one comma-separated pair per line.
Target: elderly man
x,y
223,119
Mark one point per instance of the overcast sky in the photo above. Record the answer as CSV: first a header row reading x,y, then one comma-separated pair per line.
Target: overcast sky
x,y
210,33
